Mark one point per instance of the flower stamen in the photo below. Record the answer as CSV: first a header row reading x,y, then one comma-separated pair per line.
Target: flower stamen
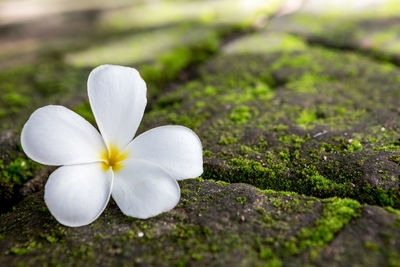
x,y
113,158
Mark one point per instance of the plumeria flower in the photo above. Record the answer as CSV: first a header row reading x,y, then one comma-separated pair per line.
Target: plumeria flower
x,y
140,174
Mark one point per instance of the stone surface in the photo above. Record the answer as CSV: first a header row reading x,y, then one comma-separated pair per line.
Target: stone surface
x,y
214,224
290,116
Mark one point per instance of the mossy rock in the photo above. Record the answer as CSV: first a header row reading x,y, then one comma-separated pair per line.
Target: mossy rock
x,y
19,176
284,115
214,224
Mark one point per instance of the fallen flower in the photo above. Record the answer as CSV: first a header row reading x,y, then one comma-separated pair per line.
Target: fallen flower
x,y
140,174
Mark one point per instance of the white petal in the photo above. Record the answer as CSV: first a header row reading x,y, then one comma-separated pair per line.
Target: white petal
x,y
76,195
142,189
118,98
55,135
175,148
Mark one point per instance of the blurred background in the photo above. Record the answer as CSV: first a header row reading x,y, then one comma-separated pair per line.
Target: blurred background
x,y
47,48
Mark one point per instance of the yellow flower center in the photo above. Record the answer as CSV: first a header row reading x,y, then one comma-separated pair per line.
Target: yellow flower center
x,y
113,158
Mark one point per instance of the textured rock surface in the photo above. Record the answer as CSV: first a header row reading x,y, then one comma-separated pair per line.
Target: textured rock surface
x,y
299,122
215,224
290,116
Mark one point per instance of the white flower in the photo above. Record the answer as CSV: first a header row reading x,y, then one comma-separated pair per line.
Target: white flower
x,y
140,174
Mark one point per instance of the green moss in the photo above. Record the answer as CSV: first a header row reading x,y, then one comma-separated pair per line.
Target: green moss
x,y
19,251
310,240
280,127
263,92
287,205
371,246
14,99
342,145
240,115
227,140
207,152
279,193
297,61
210,90
392,210
390,147
49,238
13,176
292,139
354,145
306,117
200,104
245,149
303,179
393,259
395,159
241,200
260,90
3,112
336,214
380,196
85,111
250,164
307,83
320,182
266,253
275,262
